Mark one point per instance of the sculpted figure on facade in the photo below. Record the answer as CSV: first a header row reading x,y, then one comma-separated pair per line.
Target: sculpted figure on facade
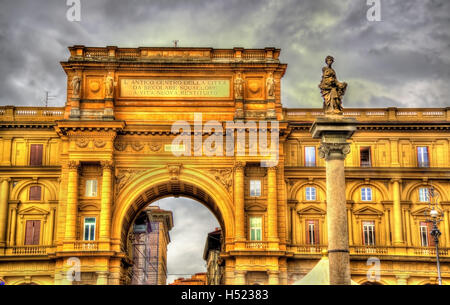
x,y
109,86
270,85
239,87
76,86
331,89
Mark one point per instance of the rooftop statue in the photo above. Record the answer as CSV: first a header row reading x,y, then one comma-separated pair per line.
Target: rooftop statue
x,y
331,89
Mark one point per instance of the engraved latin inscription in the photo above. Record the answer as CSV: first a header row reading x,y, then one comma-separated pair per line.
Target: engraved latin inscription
x,y
175,88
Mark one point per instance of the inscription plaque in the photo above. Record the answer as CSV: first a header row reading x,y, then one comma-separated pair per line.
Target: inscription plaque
x,y
174,88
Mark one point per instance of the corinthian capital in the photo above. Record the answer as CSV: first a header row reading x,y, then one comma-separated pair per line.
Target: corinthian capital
x,y
239,165
107,164
330,151
74,165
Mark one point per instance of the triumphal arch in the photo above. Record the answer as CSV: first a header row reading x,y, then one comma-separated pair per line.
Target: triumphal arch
x,y
145,123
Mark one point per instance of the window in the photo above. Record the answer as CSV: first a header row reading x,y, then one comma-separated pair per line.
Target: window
x,y
36,154
91,188
366,194
89,228
310,193
369,233
422,156
32,232
426,239
424,194
310,156
35,193
312,232
364,157
255,188
255,228
424,234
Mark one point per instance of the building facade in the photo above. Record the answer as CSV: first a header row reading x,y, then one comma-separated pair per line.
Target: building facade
x,y
211,255
74,179
150,239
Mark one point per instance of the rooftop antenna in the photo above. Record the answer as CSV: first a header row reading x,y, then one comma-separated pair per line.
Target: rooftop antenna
x,y
175,43
48,97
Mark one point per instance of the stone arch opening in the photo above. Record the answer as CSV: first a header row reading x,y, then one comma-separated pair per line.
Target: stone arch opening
x,y
160,191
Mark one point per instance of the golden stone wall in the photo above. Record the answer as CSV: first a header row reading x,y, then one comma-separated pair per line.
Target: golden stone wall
x,y
125,143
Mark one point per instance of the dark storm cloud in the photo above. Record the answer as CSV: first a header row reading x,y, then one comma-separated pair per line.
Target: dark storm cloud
x,y
394,62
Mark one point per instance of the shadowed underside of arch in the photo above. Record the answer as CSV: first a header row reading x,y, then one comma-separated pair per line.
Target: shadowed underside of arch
x,y
168,189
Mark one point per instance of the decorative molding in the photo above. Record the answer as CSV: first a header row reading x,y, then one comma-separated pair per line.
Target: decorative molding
x,y
73,165
327,149
107,164
137,146
174,171
124,176
99,143
82,142
224,176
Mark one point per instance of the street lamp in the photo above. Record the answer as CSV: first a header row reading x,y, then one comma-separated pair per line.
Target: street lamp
x,y
434,215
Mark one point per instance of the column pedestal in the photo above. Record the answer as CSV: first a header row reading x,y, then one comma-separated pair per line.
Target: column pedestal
x,y
333,133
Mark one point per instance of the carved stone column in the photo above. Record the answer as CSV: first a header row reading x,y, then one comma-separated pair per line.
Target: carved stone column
x,y
293,216
72,201
239,201
102,277
333,133
272,205
12,237
273,277
239,277
398,225
105,212
4,197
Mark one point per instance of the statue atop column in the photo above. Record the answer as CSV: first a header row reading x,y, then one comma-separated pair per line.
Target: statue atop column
x,y
76,85
109,86
331,89
270,84
238,87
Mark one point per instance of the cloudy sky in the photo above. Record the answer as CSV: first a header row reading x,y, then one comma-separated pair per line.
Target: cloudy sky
x,y
192,222
402,60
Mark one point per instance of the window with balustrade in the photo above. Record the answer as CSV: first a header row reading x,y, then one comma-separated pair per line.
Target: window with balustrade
x,y
255,228
368,228
312,232
89,228
366,194
32,232
423,156
426,239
